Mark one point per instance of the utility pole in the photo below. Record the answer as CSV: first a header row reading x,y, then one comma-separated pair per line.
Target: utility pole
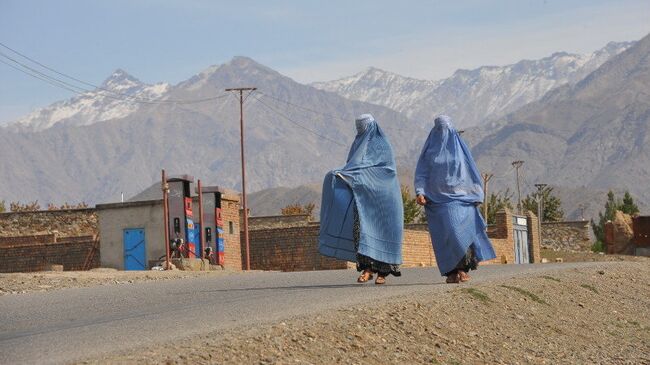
x,y
241,90
165,191
486,179
517,164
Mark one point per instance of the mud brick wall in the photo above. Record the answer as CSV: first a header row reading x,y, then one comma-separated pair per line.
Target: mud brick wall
x,y
69,222
570,235
278,221
230,214
296,248
289,249
500,235
417,250
534,243
35,253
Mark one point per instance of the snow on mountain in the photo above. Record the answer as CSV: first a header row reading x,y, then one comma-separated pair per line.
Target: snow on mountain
x,y
381,87
109,101
472,96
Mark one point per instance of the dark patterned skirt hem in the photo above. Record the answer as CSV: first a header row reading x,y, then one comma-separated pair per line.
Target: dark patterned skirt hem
x,y
467,263
377,267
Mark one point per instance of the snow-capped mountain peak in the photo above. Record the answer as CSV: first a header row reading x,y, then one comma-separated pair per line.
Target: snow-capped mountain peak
x,y
472,96
121,80
118,96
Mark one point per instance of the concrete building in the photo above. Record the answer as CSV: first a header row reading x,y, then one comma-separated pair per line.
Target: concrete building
x,y
132,233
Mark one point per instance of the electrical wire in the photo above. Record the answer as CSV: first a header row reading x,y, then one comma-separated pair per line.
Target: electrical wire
x,y
81,90
296,123
326,115
303,108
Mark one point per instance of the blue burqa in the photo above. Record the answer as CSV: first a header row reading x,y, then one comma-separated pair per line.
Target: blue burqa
x,y
447,176
369,181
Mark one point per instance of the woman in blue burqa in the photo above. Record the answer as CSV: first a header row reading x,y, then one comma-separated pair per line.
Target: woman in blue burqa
x,y
448,184
361,212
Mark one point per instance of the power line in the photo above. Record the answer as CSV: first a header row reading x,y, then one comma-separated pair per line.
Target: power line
x,y
81,90
331,116
296,123
39,77
304,108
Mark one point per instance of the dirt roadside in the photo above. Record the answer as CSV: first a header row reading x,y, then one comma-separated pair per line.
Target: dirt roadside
x,y
599,315
20,283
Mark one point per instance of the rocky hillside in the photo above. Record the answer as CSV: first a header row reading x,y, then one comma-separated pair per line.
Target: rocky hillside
x,y
472,96
593,135
287,144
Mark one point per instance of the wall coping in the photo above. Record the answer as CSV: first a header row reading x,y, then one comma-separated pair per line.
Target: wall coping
x,y
565,222
73,210
128,204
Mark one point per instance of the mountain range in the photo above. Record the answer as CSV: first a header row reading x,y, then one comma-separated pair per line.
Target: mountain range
x,y
579,122
472,96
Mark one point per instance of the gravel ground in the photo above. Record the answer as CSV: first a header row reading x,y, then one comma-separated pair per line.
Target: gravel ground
x,y
589,316
582,256
20,283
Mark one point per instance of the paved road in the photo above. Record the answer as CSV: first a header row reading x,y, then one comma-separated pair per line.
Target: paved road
x,y
70,324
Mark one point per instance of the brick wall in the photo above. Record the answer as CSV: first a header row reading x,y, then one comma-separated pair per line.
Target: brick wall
x,y
534,243
417,250
70,222
289,249
278,221
296,248
500,235
22,254
570,235
230,214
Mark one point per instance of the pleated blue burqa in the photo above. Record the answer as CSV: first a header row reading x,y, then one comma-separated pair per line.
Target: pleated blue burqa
x,y
447,176
369,181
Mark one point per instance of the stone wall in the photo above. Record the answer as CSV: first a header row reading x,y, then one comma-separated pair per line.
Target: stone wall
x,y
569,235
619,234
35,253
68,223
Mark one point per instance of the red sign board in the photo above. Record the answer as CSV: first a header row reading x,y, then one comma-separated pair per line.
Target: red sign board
x,y
218,217
188,207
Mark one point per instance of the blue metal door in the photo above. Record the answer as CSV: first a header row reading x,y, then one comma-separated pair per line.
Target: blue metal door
x,y
134,249
520,226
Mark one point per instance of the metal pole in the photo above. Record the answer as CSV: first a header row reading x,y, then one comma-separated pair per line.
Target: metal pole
x,y
517,165
165,191
243,169
202,230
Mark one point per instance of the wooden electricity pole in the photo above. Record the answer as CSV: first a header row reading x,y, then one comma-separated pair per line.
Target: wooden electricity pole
x,y
517,165
240,91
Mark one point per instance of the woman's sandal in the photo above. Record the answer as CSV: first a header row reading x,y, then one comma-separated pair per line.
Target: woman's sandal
x,y
364,277
453,279
463,276
380,280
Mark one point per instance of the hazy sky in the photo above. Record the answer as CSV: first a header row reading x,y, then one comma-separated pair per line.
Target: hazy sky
x,y
306,40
